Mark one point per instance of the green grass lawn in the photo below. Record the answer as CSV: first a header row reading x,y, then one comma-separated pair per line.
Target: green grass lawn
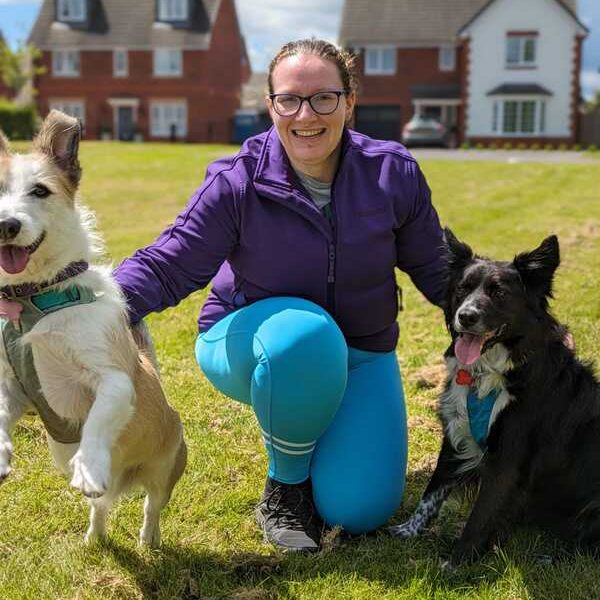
x,y
211,546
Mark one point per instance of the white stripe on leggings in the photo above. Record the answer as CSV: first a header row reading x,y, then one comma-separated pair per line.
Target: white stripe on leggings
x,y
291,444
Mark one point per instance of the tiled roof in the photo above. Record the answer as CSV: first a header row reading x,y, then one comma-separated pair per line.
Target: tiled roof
x,y
120,23
410,22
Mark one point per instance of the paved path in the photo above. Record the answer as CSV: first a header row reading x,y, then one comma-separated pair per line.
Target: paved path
x,y
507,156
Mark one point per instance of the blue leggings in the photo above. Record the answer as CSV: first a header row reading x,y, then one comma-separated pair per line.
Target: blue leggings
x,y
326,411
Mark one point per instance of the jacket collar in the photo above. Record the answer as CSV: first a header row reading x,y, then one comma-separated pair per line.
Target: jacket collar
x,y
275,178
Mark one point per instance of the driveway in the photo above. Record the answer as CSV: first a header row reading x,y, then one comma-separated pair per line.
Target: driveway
x,y
507,156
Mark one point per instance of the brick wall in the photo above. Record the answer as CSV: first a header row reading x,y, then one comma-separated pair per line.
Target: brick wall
x,y
414,66
210,84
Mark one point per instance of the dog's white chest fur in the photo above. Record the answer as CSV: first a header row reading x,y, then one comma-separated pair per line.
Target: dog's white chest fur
x,y
487,373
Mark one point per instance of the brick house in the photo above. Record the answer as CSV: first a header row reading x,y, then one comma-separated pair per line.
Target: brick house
x,y
150,69
491,70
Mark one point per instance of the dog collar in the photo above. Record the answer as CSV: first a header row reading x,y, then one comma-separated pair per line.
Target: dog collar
x,y
22,290
463,377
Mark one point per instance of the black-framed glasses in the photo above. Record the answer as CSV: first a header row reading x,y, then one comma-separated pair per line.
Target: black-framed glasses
x,y
323,103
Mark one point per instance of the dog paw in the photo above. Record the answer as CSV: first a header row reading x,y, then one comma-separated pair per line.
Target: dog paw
x,y
405,530
5,457
150,537
91,475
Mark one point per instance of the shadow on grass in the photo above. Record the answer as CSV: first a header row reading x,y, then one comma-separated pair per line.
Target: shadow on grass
x,y
518,570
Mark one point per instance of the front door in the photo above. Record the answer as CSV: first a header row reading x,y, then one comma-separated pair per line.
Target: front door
x,y
125,121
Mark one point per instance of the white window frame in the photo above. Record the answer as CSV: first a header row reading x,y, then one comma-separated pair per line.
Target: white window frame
x,y
173,10
498,107
120,69
162,127
521,60
63,64
378,54
158,72
75,107
447,58
77,11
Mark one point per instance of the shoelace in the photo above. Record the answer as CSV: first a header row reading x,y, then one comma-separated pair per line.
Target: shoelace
x,y
294,513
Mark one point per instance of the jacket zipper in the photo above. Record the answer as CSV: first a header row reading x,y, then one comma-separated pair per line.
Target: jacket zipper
x,y
331,260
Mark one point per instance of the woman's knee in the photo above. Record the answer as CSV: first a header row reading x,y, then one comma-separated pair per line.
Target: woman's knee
x,y
364,508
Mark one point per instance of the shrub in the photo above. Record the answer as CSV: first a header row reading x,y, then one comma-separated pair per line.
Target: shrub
x,y
521,146
576,148
592,148
493,146
548,147
562,147
507,146
17,122
465,146
479,146
535,146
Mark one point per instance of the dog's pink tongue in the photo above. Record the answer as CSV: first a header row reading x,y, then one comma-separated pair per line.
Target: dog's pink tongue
x,y
468,348
13,259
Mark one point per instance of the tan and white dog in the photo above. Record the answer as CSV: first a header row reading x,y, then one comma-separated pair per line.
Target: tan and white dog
x,y
109,424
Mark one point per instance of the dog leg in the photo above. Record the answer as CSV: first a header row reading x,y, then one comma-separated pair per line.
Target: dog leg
x,y
159,487
440,486
497,500
110,412
99,508
10,412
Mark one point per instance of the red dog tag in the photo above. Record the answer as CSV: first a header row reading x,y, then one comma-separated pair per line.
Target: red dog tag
x,y
464,377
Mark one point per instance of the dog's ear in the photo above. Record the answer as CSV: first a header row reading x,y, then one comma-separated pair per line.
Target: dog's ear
x,y
537,267
459,254
3,143
59,139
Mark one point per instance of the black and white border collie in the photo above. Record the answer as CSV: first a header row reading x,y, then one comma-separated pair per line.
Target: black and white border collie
x,y
520,413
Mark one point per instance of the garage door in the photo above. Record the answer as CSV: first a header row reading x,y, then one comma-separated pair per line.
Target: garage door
x,y
379,122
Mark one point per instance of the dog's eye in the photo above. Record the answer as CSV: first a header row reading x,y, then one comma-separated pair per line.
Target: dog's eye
x,y
496,291
40,191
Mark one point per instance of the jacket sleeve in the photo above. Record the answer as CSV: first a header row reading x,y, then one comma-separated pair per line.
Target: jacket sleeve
x,y
419,240
187,255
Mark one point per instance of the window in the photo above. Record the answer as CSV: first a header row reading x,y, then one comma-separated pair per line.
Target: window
x,y
71,11
521,50
380,61
166,116
74,108
519,117
65,63
167,62
447,58
120,63
173,10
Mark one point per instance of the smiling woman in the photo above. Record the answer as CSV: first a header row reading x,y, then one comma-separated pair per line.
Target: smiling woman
x,y
300,233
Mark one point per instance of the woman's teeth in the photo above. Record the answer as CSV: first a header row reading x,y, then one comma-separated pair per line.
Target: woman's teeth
x,y
308,132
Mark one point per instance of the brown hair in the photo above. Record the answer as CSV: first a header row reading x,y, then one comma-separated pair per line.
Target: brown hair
x,y
342,59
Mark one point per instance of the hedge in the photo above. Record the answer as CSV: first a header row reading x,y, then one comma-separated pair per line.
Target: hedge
x,y
17,122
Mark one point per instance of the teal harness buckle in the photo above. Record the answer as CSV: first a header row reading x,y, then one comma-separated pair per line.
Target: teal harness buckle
x,y
53,300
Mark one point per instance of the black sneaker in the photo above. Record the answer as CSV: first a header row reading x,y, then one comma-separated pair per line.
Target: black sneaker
x,y
288,516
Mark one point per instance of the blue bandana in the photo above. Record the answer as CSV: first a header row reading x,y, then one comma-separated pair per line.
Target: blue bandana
x,y
480,411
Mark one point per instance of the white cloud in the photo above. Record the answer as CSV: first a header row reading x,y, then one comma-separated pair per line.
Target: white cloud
x,y
590,83
268,24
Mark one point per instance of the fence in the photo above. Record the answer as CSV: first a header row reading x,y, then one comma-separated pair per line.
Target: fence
x,y
589,128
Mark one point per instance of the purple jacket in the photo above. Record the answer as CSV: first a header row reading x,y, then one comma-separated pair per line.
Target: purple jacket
x,y
253,230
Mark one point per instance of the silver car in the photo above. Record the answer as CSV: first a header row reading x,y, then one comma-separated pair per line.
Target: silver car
x,y
424,131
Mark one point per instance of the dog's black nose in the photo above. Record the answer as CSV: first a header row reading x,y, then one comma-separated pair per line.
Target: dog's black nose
x,y
467,317
9,228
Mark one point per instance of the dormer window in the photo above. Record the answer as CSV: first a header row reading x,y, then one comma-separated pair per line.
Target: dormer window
x,y
71,11
173,10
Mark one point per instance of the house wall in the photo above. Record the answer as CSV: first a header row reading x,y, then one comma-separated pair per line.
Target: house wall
x,y
556,63
414,66
210,84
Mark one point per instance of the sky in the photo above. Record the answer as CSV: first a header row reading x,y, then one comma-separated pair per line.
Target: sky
x,y
268,24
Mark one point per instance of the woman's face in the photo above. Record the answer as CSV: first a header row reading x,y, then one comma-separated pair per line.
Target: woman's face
x,y
310,140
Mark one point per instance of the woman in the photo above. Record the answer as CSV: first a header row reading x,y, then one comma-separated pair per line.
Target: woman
x,y
300,233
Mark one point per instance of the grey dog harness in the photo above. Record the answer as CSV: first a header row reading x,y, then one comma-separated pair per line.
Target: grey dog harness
x,y
20,355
